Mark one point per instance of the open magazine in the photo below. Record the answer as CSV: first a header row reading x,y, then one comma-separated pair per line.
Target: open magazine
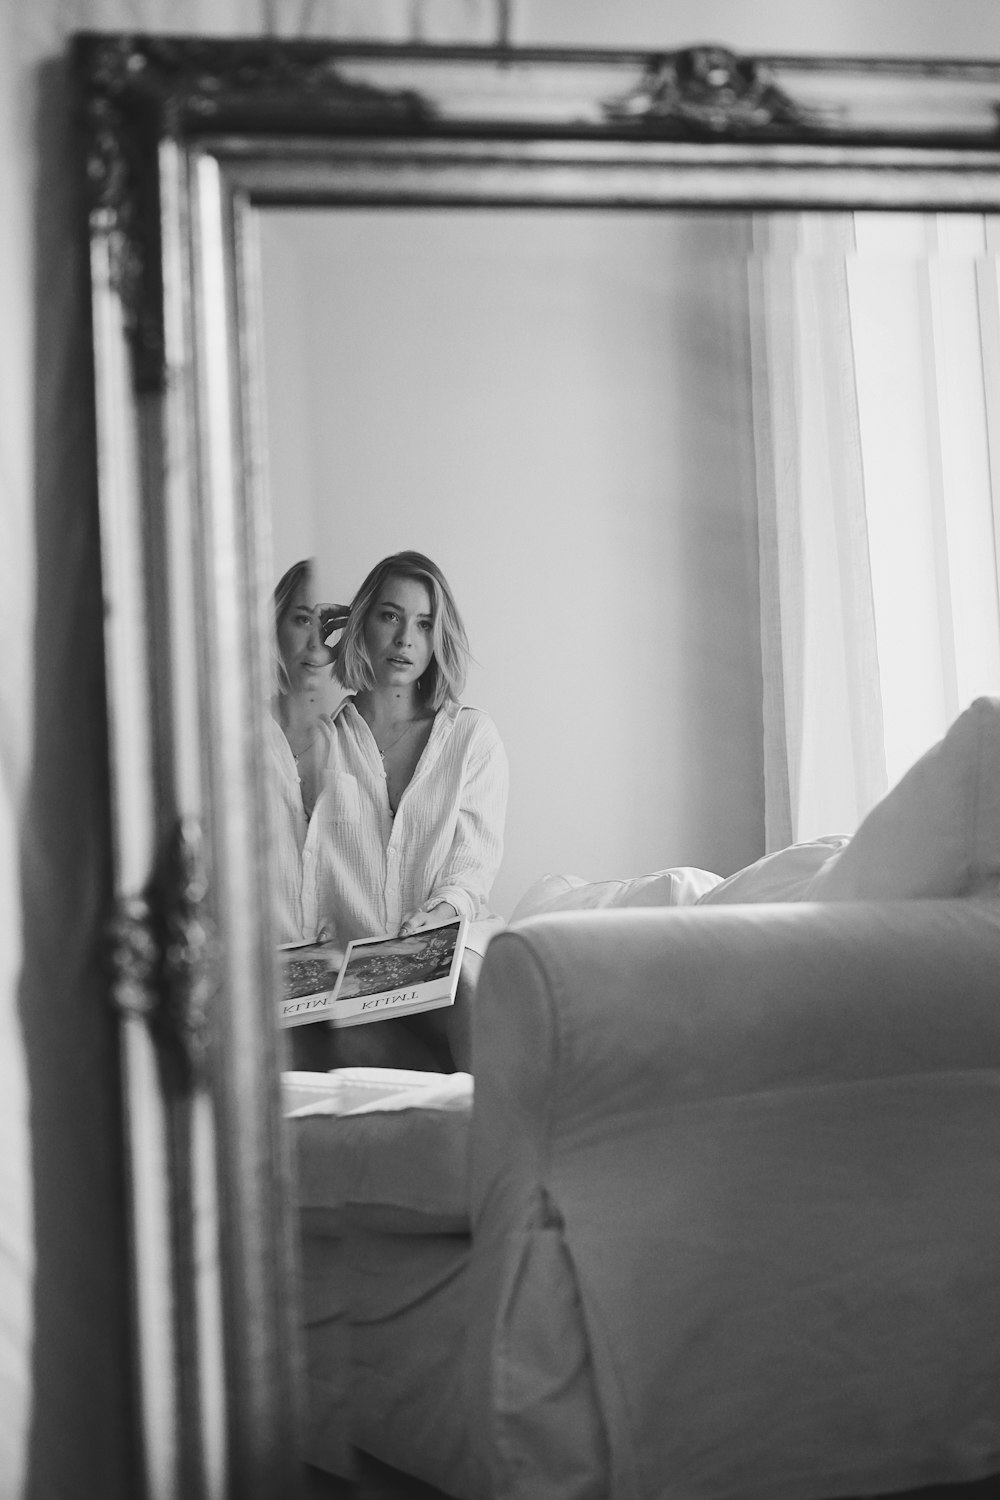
x,y
375,979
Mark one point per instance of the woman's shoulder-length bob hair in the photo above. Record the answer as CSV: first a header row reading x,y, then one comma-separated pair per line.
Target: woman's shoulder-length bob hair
x,y
444,679
285,591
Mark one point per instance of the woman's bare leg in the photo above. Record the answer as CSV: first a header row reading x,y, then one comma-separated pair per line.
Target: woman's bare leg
x,y
386,1044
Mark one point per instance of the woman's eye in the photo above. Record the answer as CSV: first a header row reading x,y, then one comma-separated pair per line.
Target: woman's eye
x,y
425,624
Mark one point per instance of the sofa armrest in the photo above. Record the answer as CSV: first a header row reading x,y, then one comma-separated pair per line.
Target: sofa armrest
x,y
767,1142
618,1008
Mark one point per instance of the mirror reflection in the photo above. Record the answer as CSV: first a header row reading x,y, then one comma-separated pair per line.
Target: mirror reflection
x,y
713,495
627,439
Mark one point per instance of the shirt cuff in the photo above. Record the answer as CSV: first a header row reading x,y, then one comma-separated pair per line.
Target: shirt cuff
x,y
464,903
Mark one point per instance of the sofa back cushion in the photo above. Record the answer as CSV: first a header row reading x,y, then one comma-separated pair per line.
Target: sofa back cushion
x,y
937,832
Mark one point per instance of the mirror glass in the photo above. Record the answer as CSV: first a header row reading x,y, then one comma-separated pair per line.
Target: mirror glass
x,y
574,412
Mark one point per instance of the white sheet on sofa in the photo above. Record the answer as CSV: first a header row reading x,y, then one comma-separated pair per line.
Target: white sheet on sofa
x,y
383,1147
680,885
784,875
355,1091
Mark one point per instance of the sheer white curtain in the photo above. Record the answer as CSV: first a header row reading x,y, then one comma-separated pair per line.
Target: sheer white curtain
x,y
876,363
824,760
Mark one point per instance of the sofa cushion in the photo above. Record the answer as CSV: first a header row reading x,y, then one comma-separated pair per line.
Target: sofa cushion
x,y
784,875
382,1148
937,832
680,886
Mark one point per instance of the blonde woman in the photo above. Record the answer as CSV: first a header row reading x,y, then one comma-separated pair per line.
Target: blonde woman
x,y
416,789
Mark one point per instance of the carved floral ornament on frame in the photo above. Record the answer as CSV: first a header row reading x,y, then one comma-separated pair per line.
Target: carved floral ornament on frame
x,y
139,89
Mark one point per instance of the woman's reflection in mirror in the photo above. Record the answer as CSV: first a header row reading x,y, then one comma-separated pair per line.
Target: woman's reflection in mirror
x,y
415,799
299,738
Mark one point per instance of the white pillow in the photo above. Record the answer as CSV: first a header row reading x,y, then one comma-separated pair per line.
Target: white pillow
x,y
539,896
937,832
785,875
680,886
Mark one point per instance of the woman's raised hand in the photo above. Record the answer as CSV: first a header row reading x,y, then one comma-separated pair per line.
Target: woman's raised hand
x,y
331,617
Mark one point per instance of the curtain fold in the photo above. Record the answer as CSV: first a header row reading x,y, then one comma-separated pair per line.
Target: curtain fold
x,y
823,737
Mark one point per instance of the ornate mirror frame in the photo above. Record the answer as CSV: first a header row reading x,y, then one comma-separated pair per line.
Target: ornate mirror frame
x,y
183,140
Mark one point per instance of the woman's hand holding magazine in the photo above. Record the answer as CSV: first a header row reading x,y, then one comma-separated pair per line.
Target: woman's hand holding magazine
x,y
376,979
424,917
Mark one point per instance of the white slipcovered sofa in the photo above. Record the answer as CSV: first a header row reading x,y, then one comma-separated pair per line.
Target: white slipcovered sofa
x,y
721,1215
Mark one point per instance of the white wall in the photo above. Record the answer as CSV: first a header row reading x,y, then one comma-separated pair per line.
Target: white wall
x,y
553,405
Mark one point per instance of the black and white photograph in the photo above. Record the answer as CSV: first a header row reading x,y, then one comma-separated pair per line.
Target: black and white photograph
x,y
500,749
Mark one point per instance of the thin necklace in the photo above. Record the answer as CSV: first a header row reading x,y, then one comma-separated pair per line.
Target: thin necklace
x,y
396,741
304,751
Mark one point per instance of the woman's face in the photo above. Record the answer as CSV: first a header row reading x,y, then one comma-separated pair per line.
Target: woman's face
x,y
306,659
398,632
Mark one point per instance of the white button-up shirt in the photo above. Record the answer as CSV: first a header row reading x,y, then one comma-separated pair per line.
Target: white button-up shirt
x,y
295,840
355,870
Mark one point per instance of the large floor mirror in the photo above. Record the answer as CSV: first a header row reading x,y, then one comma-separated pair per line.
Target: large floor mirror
x,y
600,334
